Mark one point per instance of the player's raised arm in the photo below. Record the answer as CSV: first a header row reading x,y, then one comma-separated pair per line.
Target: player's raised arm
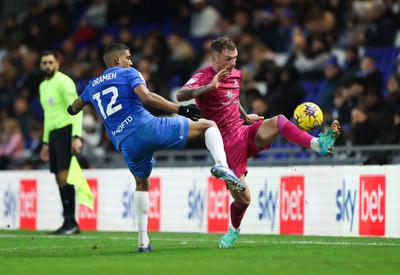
x,y
188,93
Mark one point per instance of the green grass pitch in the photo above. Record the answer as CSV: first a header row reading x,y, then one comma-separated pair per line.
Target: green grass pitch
x,y
34,252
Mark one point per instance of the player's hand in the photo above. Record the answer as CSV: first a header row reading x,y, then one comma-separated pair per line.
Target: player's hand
x,y
190,111
253,118
219,77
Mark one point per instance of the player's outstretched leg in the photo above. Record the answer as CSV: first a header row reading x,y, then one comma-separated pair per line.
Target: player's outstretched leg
x,y
327,140
229,238
223,172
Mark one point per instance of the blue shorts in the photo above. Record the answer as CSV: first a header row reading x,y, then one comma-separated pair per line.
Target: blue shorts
x,y
158,134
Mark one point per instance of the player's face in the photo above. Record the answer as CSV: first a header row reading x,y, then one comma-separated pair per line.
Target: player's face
x,y
49,65
225,59
125,59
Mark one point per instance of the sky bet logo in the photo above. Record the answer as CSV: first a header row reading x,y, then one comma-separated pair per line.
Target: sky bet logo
x,y
267,201
154,205
292,205
218,206
372,205
10,205
88,217
28,204
196,200
127,203
346,202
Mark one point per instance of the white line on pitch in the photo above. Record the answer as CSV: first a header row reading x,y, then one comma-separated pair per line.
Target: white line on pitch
x,y
186,241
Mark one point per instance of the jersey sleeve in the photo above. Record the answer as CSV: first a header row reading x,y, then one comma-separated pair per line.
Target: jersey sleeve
x,y
135,78
85,95
196,80
70,94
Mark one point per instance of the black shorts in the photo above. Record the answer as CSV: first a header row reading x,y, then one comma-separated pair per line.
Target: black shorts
x,y
60,149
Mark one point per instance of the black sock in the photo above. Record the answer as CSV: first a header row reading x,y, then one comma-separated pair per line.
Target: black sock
x,y
67,193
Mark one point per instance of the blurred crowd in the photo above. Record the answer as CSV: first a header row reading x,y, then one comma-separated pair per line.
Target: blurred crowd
x,y
280,43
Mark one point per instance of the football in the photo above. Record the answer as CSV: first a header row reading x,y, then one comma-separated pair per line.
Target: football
x,y
308,116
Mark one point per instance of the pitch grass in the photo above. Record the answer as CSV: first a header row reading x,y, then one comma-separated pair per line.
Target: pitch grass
x,y
33,252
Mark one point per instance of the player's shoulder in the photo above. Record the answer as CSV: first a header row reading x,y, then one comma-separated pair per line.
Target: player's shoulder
x,y
201,75
236,72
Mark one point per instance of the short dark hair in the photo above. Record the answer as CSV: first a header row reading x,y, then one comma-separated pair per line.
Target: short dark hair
x,y
113,48
49,52
221,43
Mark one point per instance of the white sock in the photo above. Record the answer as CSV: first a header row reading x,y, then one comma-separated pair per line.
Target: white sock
x,y
314,144
141,204
215,145
235,229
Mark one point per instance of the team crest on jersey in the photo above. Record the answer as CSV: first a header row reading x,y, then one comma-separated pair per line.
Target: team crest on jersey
x,y
51,101
229,94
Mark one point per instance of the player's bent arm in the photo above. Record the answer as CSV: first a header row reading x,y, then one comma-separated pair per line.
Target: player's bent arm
x,y
76,107
186,93
155,100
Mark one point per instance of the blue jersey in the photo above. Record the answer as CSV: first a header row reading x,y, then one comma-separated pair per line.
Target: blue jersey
x,y
119,107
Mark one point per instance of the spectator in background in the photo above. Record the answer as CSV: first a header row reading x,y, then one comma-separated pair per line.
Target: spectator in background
x,y
7,93
92,130
380,29
341,107
364,131
32,152
181,58
393,136
61,135
29,77
59,18
35,27
370,75
333,75
96,13
309,61
11,144
285,98
351,61
24,115
205,19
393,92
285,28
356,90
260,106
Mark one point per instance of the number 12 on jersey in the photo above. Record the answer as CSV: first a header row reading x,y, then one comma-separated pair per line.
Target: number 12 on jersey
x,y
110,106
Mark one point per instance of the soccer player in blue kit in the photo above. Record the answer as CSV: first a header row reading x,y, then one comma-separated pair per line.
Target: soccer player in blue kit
x,y
118,96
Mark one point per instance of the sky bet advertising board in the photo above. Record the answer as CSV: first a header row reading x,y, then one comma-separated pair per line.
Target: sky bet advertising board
x,y
304,200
